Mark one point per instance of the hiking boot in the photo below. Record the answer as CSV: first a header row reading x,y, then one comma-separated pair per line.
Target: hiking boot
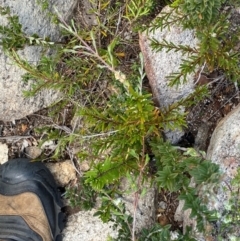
x,y
30,203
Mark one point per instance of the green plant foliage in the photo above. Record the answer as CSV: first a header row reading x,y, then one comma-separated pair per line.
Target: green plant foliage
x,y
108,172
122,128
228,219
83,197
205,173
12,36
157,232
113,209
174,174
215,49
198,209
138,8
175,170
53,134
44,4
199,13
130,120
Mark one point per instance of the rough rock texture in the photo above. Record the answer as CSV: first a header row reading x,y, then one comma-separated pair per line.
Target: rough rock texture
x,y
159,65
35,20
225,141
86,14
33,152
84,166
12,103
3,153
63,172
83,226
224,150
146,211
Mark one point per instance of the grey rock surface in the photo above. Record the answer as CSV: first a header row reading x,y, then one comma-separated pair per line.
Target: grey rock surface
x,y
145,210
86,13
83,226
224,150
159,65
34,20
33,152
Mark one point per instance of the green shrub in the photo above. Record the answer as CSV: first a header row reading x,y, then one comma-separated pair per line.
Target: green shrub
x,y
215,50
122,129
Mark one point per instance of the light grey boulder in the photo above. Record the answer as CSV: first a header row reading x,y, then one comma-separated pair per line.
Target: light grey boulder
x,y
85,227
159,65
13,105
224,150
36,20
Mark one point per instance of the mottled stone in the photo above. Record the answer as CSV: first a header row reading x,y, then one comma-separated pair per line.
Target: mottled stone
x,y
33,152
84,226
13,105
63,172
159,65
3,153
224,150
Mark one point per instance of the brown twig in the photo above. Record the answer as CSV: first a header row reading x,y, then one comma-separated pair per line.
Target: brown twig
x,y
15,137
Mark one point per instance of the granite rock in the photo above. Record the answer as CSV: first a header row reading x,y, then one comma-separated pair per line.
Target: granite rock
x,y
13,105
159,65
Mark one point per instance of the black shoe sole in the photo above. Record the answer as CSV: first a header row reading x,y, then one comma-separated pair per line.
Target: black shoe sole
x,y
19,176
